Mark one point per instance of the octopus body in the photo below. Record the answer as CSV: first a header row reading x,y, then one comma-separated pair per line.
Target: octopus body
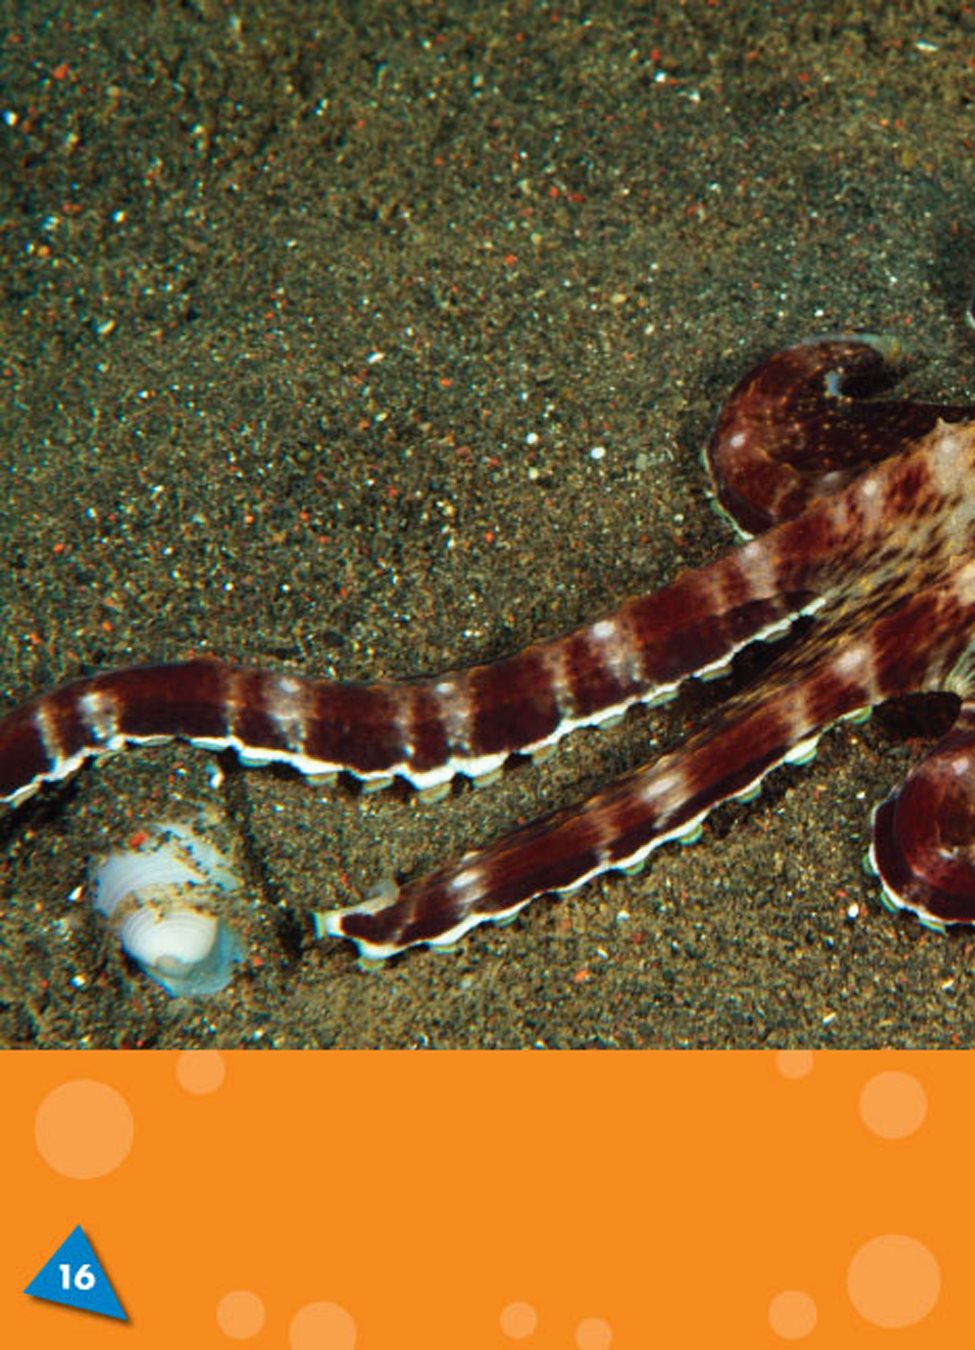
x,y
859,514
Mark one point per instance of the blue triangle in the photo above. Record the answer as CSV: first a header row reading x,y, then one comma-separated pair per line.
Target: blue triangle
x,y
74,1276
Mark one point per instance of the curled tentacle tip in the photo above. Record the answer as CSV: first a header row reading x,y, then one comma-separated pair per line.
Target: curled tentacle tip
x,y
923,849
334,923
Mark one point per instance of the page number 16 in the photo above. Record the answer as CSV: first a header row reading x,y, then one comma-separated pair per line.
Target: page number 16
x,y
81,1278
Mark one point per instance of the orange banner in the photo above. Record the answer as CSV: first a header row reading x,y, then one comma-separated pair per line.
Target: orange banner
x,y
570,1201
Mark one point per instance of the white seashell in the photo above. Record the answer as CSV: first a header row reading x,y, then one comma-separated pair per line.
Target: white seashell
x,y
162,900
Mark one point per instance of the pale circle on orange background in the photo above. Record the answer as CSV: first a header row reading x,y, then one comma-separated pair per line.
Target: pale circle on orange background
x,y
893,1281
322,1326
518,1320
593,1333
893,1104
200,1071
240,1315
84,1129
794,1063
792,1314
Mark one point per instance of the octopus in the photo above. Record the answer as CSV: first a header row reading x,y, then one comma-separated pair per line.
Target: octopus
x,y
857,516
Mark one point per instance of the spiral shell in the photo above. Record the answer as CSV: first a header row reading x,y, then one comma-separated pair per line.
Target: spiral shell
x,y
161,898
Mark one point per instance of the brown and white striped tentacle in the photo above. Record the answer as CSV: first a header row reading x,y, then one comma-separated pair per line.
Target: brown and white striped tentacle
x,y
425,731
777,721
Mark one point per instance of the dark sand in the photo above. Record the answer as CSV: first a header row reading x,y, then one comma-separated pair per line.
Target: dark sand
x,y
570,224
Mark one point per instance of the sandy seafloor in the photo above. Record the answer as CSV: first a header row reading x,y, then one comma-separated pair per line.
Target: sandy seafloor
x,y
313,317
